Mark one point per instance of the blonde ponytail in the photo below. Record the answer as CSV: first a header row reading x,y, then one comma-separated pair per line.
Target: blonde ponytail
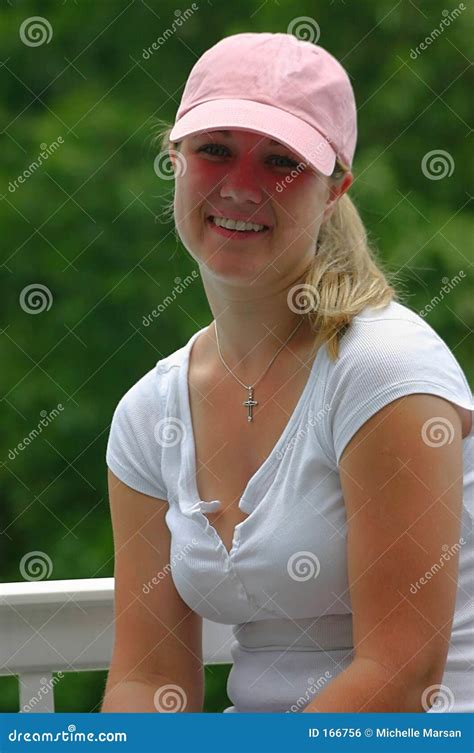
x,y
345,275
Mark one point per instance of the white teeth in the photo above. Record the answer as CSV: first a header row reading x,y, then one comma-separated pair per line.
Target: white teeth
x,y
236,224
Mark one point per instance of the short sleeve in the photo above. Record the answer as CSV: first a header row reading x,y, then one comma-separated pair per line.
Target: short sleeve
x,y
133,453
382,360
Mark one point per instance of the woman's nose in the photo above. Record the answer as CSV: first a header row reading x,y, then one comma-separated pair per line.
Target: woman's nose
x,y
241,183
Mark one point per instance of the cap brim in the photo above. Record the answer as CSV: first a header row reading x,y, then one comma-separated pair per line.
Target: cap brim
x,y
245,114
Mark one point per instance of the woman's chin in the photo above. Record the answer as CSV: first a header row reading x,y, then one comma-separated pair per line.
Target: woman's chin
x,y
228,264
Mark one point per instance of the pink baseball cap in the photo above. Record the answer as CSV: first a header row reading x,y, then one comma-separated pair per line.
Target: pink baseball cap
x,y
275,84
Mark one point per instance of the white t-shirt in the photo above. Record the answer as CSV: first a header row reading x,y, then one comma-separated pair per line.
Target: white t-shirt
x,y
284,585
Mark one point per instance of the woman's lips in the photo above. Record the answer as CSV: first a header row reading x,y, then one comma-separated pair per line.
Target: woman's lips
x,y
235,234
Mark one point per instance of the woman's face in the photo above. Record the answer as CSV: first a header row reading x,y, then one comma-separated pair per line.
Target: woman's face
x,y
243,175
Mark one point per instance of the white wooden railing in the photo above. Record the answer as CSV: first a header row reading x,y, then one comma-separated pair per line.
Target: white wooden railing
x,y
68,626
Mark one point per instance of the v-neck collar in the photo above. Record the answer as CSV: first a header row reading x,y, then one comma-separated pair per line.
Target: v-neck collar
x,y
246,504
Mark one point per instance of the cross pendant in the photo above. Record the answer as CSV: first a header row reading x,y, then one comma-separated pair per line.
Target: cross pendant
x,y
249,403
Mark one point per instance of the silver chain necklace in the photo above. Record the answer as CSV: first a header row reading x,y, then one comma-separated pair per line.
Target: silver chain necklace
x,y
250,402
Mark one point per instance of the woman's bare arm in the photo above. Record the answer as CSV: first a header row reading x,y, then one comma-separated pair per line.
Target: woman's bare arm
x,y
157,656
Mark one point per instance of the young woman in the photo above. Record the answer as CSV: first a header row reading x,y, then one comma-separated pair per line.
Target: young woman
x,y
300,468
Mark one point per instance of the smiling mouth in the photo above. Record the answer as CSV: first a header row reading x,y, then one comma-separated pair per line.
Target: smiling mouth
x,y
234,232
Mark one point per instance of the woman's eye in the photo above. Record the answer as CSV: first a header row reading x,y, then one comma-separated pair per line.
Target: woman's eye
x,y
289,162
284,161
210,146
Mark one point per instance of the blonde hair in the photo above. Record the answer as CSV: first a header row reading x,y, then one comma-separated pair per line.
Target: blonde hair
x,y
345,275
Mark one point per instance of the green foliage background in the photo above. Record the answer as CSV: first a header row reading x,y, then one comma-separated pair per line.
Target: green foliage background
x,y
89,225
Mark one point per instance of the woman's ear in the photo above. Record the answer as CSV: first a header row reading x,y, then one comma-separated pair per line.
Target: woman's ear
x,y
335,193
172,155
177,161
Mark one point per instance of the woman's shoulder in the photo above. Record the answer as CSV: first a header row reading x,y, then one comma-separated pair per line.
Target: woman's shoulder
x,y
386,354
397,333
393,350
394,314
157,380
177,358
